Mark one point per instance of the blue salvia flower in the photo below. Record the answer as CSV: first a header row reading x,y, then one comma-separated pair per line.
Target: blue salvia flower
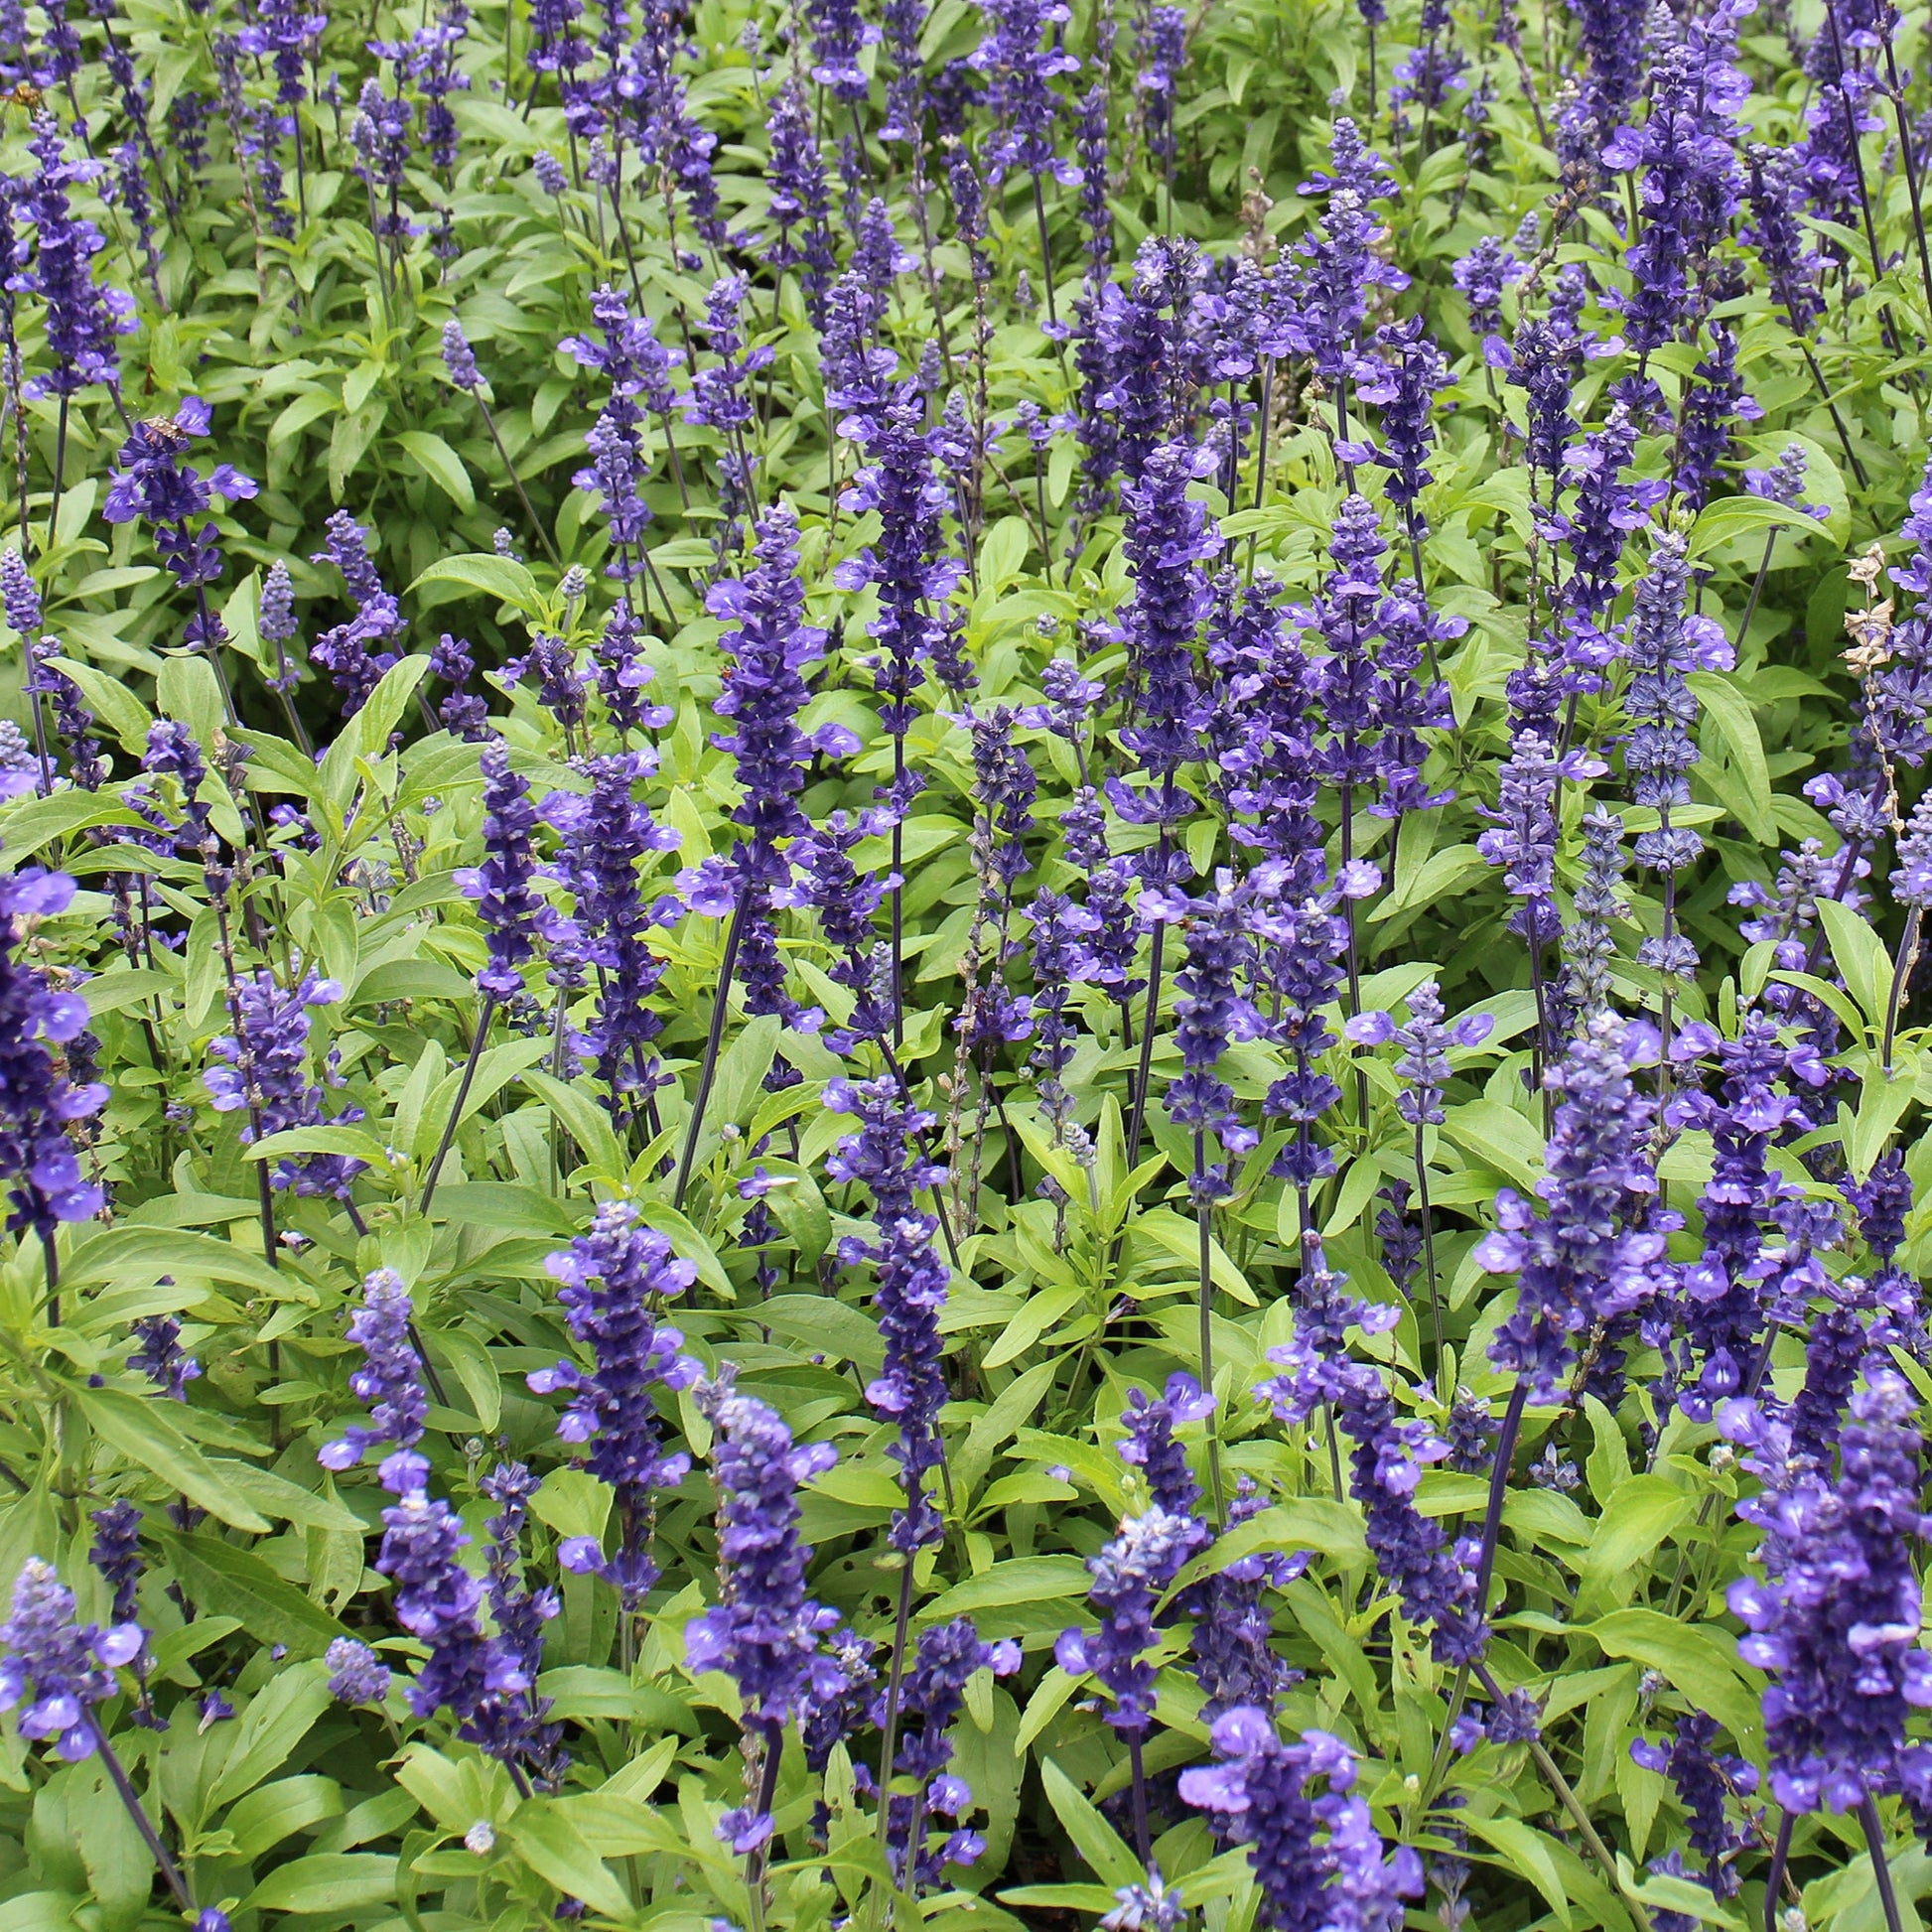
x,y
1663,643
1162,53
116,1555
1589,943
381,135
513,916
1347,617
1413,372
621,673
1422,1067
1131,1572
440,1602
463,713
158,1355
513,1726
1715,401
355,654
885,1157
39,1158
613,1278
1317,1859
839,35
605,836
1784,481
264,1068
357,1675
276,623
933,1695
909,564
1594,1255
1777,232
1062,960
765,1632
1835,1616
1151,1446
1524,839
1606,510
390,1382
1704,1779
56,1668
83,315
1139,338
1022,57
1482,275
1436,1579
795,174
720,397
1611,35
844,901
1211,1012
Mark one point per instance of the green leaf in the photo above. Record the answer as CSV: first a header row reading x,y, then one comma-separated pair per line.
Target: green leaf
x,y
1727,709
502,578
1020,1579
279,1715
1498,1137
229,1581
109,699
1525,1852
328,1882
556,1851
1738,516
1642,1511
142,1430
144,1254
264,1818
441,464
1701,1663
1093,1838
1862,961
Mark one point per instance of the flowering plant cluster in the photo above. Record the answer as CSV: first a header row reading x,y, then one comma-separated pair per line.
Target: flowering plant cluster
x,y
963,967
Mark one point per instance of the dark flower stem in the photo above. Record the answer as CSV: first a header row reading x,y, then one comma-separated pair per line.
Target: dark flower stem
x,y
1493,1519
1900,973
1774,1878
708,1072
1204,1218
1142,1843
456,1106
162,1857
1429,1253
1875,1838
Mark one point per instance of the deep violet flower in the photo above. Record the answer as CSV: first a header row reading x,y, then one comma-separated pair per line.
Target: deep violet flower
x,y
513,915
54,1670
390,1382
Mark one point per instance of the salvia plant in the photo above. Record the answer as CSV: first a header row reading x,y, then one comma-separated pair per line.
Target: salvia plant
x,y
963,967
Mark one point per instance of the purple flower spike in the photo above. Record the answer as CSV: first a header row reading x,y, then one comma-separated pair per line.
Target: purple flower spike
x,y
56,1668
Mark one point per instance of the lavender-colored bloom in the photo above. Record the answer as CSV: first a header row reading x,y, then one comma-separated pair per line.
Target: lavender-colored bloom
x,y
1704,1779
381,135
356,1674
513,916
1589,943
885,1157
83,317
605,834
909,564
156,483
264,1069
795,174
1836,1619
1482,275
765,1633
56,1668
1663,643
1317,1859
1423,1065
1784,481
438,1600
839,35
513,1726
1412,371
1437,1581
39,1158
1594,1255
1715,401
1211,1012
933,1695
613,1276
637,367
459,358
1524,841
357,653
1130,1575
845,900
463,713
158,1355
1777,230
551,665
1022,57
390,1382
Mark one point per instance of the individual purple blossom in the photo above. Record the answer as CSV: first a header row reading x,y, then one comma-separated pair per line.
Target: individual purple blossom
x,y
1704,1779
357,1675
1663,643
513,915
83,315
116,1555
1422,1067
795,174
613,1278
1784,481
1412,373
1163,56
622,674
357,653
57,1669
1131,1574
1607,508
1022,57
840,35
1777,231
380,136
831,886
463,713
1524,839
1836,1617
764,1632
1316,1858
459,358
885,1157
263,1068
513,1726
605,837
1589,940
1435,1579
158,1355
1715,401
390,1382
39,1103
933,1694
1482,275
1596,1253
